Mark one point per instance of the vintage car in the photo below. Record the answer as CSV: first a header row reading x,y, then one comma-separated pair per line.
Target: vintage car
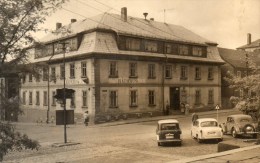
x,y
168,131
206,128
240,124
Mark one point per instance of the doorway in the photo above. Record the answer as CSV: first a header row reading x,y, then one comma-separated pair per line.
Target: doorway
x,y
175,98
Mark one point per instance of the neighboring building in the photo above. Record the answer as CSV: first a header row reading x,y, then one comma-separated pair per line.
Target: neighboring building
x,y
119,63
251,46
237,62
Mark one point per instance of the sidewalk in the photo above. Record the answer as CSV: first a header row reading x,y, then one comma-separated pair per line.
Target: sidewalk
x,y
249,154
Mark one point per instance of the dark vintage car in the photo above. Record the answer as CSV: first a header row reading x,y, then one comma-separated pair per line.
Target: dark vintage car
x,y
240,124
168,131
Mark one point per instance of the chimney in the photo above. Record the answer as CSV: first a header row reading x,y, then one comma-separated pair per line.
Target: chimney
x,y
145,15
73,20
248,38
58,25
124,14
152,19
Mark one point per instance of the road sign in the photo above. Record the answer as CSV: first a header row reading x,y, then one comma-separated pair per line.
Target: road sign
x,y
217,107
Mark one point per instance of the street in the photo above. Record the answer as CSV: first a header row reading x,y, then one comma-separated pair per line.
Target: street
x,y
121,143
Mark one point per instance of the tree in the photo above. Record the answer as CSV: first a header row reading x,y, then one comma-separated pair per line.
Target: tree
x,y
248,86
19,20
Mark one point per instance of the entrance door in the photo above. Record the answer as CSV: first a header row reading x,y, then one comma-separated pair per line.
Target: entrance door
x,y
175,98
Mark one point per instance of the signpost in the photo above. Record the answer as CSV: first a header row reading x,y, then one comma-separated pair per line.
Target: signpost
x,y
217,108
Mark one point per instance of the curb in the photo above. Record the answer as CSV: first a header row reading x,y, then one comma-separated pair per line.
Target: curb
x,y
203,157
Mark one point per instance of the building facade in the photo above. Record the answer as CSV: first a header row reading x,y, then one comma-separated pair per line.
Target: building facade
x,y
124,65
251,46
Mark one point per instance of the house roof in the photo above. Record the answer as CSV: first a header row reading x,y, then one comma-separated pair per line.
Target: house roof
x,y
237,58
253,44
133,26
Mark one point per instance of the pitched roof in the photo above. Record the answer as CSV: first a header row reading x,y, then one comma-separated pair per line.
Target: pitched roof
x,y
253,44
133,26
237,58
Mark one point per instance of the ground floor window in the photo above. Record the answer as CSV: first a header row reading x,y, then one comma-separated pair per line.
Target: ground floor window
x,y
211,97
197,97
133,98
37,98
24,97
84,99
30,98
113,99
151,97
45,98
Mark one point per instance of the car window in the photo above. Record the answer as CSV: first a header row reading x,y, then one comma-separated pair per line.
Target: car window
x,y
209,124
245,120
169,126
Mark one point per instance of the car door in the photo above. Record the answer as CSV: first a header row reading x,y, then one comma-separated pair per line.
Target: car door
x,y
230,124
194,128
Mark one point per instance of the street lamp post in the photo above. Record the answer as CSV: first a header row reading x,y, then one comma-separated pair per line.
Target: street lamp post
x,y
64,96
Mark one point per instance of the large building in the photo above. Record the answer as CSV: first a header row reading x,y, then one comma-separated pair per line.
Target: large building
x,y
122,64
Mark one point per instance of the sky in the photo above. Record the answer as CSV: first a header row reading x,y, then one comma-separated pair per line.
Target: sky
x,y
226,22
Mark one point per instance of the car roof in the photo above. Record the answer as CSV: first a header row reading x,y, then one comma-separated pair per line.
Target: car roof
x,y
206,119
237,116
168,121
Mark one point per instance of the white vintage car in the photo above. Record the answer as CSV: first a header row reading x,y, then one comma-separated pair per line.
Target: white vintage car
x,y
206,128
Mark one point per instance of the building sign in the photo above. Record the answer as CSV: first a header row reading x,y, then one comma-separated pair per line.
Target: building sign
x,y
127,81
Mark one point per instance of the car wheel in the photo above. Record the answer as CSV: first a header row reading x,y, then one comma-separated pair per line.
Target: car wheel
x,y
198,139
234,133
254,136
159,144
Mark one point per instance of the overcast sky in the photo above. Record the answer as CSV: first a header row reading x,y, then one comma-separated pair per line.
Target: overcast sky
x,y
226,22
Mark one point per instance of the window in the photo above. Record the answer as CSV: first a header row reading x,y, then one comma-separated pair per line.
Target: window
x,y
150,46
45,74
132,69
211,97
113,99
196,51
210,73
53,103
84,99
183,72
83,69
151,96
72,101
53,73
183,50
133,44
151,71
30,98
30,77
168,71
62,71
239,74
197,97
72,70
37,98
45,98
24,97
113,69
73,44
133,98
168,48
197,73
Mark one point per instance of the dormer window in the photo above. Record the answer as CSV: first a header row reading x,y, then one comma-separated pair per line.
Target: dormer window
x,y
151,46
183,50
196,51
